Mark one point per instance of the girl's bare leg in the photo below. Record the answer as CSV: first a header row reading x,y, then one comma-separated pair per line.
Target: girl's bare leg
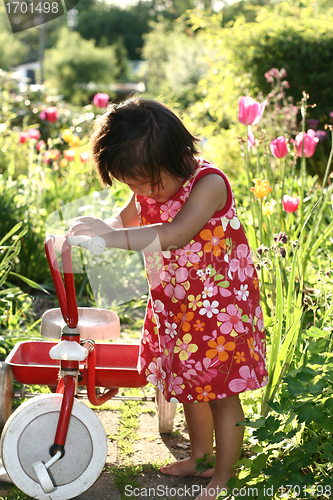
x,y
229,439
199,422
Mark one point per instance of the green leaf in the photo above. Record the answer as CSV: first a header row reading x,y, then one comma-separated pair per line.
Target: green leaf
x,y
295,387
316,332
29,282
272,423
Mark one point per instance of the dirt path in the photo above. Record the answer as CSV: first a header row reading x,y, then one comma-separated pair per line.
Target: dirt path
x,y
136,475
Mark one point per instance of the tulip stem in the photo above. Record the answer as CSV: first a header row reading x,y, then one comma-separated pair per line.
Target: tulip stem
x,y
328,166
261,201
249,183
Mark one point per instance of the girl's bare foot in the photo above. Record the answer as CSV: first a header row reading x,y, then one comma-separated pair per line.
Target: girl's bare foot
x,y
213,489
185,467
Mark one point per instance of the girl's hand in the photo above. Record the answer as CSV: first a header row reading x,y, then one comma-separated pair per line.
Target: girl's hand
x,y
91,226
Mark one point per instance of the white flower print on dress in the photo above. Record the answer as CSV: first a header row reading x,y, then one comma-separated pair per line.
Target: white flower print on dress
x,y
244,263
231,218
209,289
170,329
157,374
209,308
242,293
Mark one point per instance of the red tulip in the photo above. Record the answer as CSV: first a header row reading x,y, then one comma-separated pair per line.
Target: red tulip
x,y
23,137
310,143
290,204
51,155
84,156
69,154
49,114
279,147
101,100
250,111
33,133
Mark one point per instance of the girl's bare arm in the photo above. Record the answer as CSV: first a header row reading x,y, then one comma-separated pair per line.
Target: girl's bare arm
x,y
207,197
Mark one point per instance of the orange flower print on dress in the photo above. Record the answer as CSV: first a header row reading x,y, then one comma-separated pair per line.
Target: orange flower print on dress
x,y
199,326
214,241
250,343
205,394
184,347
219,348
184,318
239,357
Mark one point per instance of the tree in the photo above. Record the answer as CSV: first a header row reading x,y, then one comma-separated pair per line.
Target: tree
x,y
75,62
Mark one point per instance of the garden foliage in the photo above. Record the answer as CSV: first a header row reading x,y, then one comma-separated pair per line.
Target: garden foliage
x,y
281,173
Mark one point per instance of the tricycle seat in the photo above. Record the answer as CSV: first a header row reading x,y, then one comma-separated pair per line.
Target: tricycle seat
x,y
94,323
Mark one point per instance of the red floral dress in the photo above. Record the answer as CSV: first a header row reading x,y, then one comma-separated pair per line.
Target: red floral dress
x,y
203,335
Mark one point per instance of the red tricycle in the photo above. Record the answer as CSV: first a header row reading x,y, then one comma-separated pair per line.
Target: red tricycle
x,y
54,446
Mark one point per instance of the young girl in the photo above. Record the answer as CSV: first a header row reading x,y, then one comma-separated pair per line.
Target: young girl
x,y
203,340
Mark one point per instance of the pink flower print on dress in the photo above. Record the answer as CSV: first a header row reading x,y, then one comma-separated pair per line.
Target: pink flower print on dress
x,y
260,322
176,281
248,382
209,289
151,206
175,384
209,308
232,320
157,374
243,264
189,253
261,369
170,210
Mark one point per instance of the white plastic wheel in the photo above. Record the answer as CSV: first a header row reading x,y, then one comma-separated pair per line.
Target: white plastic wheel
x,y
28,435
6,392
165,412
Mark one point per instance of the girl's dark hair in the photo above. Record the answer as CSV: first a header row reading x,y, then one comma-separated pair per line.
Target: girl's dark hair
x,y
138,138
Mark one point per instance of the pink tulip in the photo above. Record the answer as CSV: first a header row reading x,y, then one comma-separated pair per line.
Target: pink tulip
x,y
279,147
40,145
290,204
310,143
250,111
49,114
33,133
23,137
101,100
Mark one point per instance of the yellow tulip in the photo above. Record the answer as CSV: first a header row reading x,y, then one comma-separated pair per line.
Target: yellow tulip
x,y
67,135
268,208
261,188
75,141
63,163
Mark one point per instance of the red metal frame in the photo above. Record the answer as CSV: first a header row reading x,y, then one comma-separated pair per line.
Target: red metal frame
x,y
66,296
